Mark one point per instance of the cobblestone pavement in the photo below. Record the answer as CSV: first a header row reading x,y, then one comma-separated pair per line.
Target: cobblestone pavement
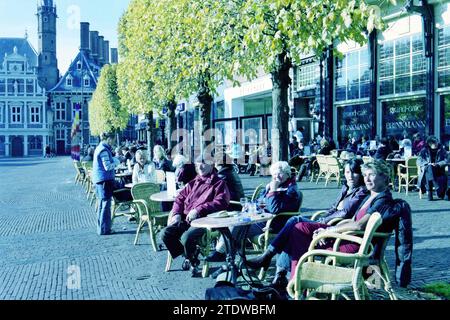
x,y
47,234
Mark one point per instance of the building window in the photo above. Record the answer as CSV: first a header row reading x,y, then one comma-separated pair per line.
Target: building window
x,y
60,111
402,65
60,134
443,57
78,65
35,115
16,114
1,114
87,82
35,143
2,86
30,86
307,75
69,82
353,75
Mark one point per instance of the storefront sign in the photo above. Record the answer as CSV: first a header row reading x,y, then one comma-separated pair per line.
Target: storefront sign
x,y
404,115
354,120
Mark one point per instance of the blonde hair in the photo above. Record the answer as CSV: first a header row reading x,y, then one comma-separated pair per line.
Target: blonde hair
x,y
379,167
142,154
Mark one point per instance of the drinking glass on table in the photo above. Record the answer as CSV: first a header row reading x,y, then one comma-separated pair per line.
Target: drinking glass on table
x,y
244,204
261,204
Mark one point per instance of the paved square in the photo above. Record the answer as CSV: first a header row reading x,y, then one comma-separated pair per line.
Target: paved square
x,y
47,238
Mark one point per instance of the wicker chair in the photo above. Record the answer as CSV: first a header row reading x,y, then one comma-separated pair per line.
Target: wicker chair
x,y
411,173
80,174
148,211
334,170
332,272
323,167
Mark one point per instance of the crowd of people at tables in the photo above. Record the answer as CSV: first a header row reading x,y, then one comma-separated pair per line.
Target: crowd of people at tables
x,y
208,186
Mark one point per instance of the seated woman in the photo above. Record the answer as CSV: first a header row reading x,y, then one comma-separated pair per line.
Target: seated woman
x,y
432,161
160,159
206,194
280,195
143,171
295,242
184,172
352,194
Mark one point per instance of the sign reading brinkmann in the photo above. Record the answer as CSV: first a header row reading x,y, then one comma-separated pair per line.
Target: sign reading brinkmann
x,y
405,115
354,120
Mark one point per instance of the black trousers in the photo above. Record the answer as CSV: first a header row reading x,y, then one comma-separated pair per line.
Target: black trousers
x,y
432,178
182,239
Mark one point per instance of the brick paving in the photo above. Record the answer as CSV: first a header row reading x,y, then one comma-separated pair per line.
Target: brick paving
x,y
47,228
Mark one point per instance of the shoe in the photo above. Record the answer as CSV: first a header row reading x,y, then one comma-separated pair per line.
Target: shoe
x,y
186,265
262,261
216,256
194,271
430,196
280,281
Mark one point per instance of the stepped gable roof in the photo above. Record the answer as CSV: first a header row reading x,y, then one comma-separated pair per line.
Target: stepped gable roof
x,y
88,69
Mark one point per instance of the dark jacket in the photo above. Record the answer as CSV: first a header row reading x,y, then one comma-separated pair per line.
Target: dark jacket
x,y
164,165
382,153
186,173
234,184
382,202
352,202
424,159
206,194
287,199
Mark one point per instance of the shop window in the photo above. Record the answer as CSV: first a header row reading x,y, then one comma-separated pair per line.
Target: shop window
x,y
401,115
352,72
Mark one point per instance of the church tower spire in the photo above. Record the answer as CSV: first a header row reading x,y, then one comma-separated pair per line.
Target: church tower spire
x,y
48,63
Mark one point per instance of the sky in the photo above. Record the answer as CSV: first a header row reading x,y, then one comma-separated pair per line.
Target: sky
x,y
16,16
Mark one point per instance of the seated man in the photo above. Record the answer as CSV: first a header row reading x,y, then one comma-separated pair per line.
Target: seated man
x,y
280,195
206,194
432,161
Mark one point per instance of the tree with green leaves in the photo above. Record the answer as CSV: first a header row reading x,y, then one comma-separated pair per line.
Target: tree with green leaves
x,y
274,34
106,113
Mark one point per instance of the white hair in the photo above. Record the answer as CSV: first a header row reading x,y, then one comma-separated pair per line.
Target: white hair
x,y
179,160
280,166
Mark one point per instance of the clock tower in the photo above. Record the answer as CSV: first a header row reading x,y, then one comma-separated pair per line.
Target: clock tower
x,y
48,63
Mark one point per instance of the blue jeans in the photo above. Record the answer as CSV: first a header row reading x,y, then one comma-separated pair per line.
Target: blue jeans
x,y
104,196
281,240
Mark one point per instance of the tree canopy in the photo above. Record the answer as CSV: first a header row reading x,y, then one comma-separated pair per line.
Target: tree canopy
x,y
106,113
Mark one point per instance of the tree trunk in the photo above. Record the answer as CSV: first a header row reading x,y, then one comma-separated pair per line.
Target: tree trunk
x,y
205,100
150,135
171,124
280,120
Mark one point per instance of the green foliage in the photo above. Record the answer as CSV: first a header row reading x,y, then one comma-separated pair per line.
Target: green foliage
x,y
106,114
439,288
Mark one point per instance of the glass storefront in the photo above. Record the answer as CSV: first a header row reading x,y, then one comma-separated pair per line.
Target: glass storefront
x,y
354,121
258,106
445,131
227,129
252,130
404,115
353,75
402,65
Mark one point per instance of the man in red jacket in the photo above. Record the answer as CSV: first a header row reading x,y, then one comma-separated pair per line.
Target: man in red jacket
x,y
206,194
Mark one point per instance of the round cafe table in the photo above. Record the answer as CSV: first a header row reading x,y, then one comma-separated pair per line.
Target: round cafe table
x,y
223,225
162,196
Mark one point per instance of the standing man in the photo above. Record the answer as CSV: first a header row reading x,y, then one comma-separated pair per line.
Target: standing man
x,y
103,179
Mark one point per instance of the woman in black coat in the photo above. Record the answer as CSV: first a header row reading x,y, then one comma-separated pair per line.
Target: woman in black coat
x,y
432,161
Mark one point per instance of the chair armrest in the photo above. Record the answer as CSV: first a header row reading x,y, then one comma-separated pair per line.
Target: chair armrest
x,y
317,214
235,202
334,235
141,204
335,221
